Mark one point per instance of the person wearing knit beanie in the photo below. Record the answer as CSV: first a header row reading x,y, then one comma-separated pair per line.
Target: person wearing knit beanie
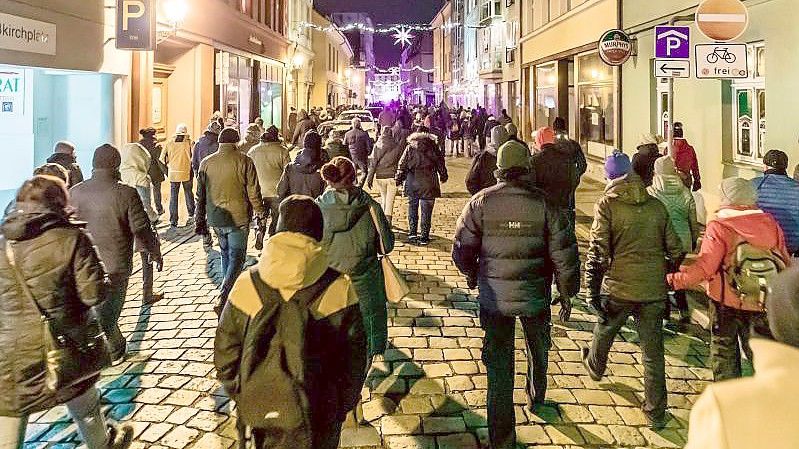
x,y
301,214
544,136
737,192
106,157
229,135
272,134
778,195
617,165
513,155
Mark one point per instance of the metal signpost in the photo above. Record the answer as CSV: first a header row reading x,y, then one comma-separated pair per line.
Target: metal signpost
x,y
673,47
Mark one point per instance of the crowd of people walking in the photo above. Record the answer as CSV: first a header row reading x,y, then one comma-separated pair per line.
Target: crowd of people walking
x,y
303,326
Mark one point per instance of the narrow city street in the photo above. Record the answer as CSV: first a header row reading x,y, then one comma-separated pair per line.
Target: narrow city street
x,y
428,393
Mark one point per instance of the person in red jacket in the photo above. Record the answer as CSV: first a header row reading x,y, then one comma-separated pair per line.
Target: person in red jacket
x,y
738,221
685,159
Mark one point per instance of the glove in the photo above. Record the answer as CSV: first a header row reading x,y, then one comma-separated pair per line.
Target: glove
x,y
471,282
565,307
599,310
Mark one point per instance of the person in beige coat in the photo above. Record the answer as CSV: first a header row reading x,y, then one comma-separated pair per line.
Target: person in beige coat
x,y
759,411
134,172
177,156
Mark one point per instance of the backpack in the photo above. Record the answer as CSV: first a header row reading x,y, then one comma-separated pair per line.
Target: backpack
x,y
272,375
750,272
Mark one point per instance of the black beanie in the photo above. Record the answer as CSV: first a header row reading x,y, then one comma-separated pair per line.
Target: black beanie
x,y
272,134
147,132
229,135
300,213
776,159
106,157
783,307
312,140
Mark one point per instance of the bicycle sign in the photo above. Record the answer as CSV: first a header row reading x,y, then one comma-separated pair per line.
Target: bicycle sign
x,y
721,61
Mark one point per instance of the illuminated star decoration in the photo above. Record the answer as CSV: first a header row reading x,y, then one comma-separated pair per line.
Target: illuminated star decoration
x,y
403,36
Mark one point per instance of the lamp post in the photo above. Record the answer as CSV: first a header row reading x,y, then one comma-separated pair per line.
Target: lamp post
x,y
174,11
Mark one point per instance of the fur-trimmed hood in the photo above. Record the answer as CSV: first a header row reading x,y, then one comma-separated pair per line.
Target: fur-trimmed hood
x,y
414,138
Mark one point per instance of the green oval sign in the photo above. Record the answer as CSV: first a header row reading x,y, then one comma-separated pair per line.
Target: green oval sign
x,y
615,47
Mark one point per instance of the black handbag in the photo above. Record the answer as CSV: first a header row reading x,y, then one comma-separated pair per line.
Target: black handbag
x,y
74,353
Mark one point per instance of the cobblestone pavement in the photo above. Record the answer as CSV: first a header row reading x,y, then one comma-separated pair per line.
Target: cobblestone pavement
x,y
428,393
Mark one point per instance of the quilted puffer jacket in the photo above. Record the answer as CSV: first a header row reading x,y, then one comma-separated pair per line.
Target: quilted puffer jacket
x,y
64,273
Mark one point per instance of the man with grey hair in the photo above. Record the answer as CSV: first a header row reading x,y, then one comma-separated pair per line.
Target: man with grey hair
x,y
360,146
64,155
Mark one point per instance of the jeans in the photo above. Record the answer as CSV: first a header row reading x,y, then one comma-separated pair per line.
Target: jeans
x,y
157,198
427,215
388,192
470,147
271,208
84,410
455,147
498,357
188,192
146,195
110,310
147,275
729,332
649,318
233,247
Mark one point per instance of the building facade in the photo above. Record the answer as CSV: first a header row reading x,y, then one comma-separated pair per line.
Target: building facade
x,y
563,75
510,92
724,120
334,83
416,64
50,91
301,58
443,52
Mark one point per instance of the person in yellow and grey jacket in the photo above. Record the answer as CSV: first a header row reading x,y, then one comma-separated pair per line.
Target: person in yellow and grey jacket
x,y
335,357
177,156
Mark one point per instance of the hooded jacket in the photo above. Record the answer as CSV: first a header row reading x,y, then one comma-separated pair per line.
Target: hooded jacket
x,y
335,359
679,202
64,273
631,240
207,145
178,157
421,166
384,161
555,172
135,166
228,194
351,241
514,244
686,162
731,227
778,195
70,164
115,218
644,162
302,176
725,415
359,144
270,158
335,147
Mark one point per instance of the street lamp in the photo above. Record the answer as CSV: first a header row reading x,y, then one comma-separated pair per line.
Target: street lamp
x,y
175,11
298,60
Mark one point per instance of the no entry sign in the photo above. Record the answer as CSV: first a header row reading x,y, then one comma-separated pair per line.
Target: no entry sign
x,y
722,20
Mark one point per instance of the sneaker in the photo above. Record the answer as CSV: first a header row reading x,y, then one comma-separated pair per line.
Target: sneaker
x,y
424,241
173,224
116,361
412,239
591,373
120,436
152,299
657,423
190,222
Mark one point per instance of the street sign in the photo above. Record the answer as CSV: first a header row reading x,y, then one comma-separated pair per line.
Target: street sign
x,y
136,25
672,42
667,68
721,61
722,20
615,47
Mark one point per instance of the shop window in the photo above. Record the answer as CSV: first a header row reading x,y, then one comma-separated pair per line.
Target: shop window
x,y
546,95
595,103
749,109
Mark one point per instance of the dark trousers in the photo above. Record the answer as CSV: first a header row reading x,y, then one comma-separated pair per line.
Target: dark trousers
x,y
498,357
158,198
414,204
730,331
680,301
188,192
649,318
110,310
233,249
323,438
147,275
271,207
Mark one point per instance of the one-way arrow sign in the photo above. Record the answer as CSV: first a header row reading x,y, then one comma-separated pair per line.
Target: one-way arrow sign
x,y
666,68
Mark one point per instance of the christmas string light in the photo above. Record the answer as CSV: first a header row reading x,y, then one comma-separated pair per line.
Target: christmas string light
x,y
393,28
398,69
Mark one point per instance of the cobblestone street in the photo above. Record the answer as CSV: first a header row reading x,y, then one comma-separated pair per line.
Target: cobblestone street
x,y
428,393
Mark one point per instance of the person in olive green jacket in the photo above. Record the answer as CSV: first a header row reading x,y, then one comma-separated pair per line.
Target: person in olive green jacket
x,y
228,196
353,224
632,239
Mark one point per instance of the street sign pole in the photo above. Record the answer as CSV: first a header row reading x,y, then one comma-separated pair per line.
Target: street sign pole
x,y
670,133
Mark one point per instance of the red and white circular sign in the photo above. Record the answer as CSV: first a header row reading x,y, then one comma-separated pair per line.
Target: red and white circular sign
x,y
722,20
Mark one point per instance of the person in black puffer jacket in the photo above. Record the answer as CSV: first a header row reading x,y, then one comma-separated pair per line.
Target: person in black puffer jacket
x,y
420,168
302,176
510,244
58,262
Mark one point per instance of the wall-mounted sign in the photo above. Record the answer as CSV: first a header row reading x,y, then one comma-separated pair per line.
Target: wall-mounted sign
x,y
28,35
721,61
672,42
615,47
136,25
12,93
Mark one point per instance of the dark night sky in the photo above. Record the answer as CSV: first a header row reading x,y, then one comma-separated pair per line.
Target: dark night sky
x,y
386,12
